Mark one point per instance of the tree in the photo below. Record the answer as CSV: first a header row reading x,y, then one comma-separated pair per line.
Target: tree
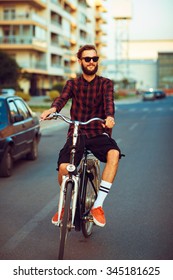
x,y
9,71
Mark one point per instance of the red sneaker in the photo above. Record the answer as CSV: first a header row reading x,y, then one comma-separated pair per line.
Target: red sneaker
x,y
55,217
98,216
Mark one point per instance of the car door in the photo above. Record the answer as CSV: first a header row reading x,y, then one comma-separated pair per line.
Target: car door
x,y
16,129
27,123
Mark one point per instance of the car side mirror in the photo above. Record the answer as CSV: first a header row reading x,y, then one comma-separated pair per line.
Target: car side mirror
x,y
18,118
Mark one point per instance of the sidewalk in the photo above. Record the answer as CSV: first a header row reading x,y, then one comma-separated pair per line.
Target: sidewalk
x,y
39,101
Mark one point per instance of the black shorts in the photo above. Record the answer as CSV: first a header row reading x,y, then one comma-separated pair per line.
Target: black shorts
x,y
98,145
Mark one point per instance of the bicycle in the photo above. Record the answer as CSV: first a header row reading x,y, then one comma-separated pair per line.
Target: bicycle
x,y
78,189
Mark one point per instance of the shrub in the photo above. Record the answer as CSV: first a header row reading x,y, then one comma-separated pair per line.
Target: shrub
x,y
53,94
59,86
23,95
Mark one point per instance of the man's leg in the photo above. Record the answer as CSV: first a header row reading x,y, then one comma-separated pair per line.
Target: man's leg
x,y
108,176
64,157
62,171
111,166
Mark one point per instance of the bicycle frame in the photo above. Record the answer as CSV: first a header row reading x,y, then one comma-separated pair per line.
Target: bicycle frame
x,y
72,169
70,177
77,191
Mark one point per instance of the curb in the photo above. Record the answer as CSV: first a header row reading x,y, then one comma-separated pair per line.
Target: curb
x,y
127,101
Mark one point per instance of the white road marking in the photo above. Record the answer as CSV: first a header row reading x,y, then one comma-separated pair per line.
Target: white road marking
x,y
118,140
159,109
19,236
145,109
132,110
133,126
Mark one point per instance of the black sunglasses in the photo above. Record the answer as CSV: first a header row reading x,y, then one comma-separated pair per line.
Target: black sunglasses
x,y
88,59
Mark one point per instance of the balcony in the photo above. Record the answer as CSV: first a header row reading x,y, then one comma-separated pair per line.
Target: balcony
x,y
15,42
64,43
83,3
56,2
72,5
34,65
56,65
39,4
22,17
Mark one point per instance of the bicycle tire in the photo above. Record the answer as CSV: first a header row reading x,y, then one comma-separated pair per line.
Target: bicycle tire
x,y
90,196
66,220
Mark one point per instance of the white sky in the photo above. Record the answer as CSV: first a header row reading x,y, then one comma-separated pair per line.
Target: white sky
x,y
151,19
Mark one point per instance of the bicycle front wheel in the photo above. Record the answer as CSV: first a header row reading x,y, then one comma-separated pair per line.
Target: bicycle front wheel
x,y
66,220
90,197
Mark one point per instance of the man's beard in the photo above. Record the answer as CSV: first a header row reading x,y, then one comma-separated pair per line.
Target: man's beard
x,y
89,72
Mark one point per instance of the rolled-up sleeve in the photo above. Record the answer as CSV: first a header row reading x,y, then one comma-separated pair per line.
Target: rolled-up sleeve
x,y
109,98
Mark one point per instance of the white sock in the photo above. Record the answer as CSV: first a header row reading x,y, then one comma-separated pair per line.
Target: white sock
x,y
102,194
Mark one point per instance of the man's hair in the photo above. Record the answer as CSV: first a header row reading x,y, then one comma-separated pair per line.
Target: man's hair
x,y
85,48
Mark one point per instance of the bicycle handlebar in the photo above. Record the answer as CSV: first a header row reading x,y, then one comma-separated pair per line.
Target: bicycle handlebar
x,y
67,120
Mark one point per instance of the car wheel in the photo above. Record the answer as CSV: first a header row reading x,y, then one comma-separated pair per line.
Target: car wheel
x,y
6,163
33,154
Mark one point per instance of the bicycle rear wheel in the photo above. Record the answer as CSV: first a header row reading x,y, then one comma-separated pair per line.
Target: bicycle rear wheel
x,y
66,220
90,197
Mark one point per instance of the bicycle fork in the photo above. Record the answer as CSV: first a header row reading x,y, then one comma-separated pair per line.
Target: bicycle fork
x,y
66,179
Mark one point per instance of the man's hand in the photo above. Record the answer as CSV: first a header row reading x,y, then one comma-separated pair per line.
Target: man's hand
x,y
109,122
47,113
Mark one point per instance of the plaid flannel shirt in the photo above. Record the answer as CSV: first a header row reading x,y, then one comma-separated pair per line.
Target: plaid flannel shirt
x,y
89,100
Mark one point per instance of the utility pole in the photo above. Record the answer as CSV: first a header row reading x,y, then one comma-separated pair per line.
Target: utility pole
x,y
122,14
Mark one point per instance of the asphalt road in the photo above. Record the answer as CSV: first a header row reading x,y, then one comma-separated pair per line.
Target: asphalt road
x,y
139,208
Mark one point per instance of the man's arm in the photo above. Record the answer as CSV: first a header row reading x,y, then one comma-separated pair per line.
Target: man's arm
x,y
109,104
59,102
47,113
109,98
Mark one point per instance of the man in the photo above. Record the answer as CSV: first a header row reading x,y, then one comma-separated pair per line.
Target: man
x,y
92,96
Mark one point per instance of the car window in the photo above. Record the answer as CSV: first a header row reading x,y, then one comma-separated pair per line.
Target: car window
x,y
13,109
23,110
3,112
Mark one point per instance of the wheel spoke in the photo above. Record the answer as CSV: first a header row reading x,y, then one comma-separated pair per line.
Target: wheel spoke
x,y
90,196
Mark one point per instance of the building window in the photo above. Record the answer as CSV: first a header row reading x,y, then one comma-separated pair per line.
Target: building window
x,y
165,70
9,14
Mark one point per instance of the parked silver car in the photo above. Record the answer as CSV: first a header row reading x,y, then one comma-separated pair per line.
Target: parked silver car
x,y
148,95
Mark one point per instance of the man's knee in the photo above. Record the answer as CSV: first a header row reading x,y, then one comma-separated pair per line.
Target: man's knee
x,y
63,168
62,171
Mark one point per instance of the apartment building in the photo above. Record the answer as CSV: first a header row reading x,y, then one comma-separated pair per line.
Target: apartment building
x,y
44,36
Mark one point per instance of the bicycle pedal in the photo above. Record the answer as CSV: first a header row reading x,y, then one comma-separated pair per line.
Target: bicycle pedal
x,y
91,219
88,218
57,224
